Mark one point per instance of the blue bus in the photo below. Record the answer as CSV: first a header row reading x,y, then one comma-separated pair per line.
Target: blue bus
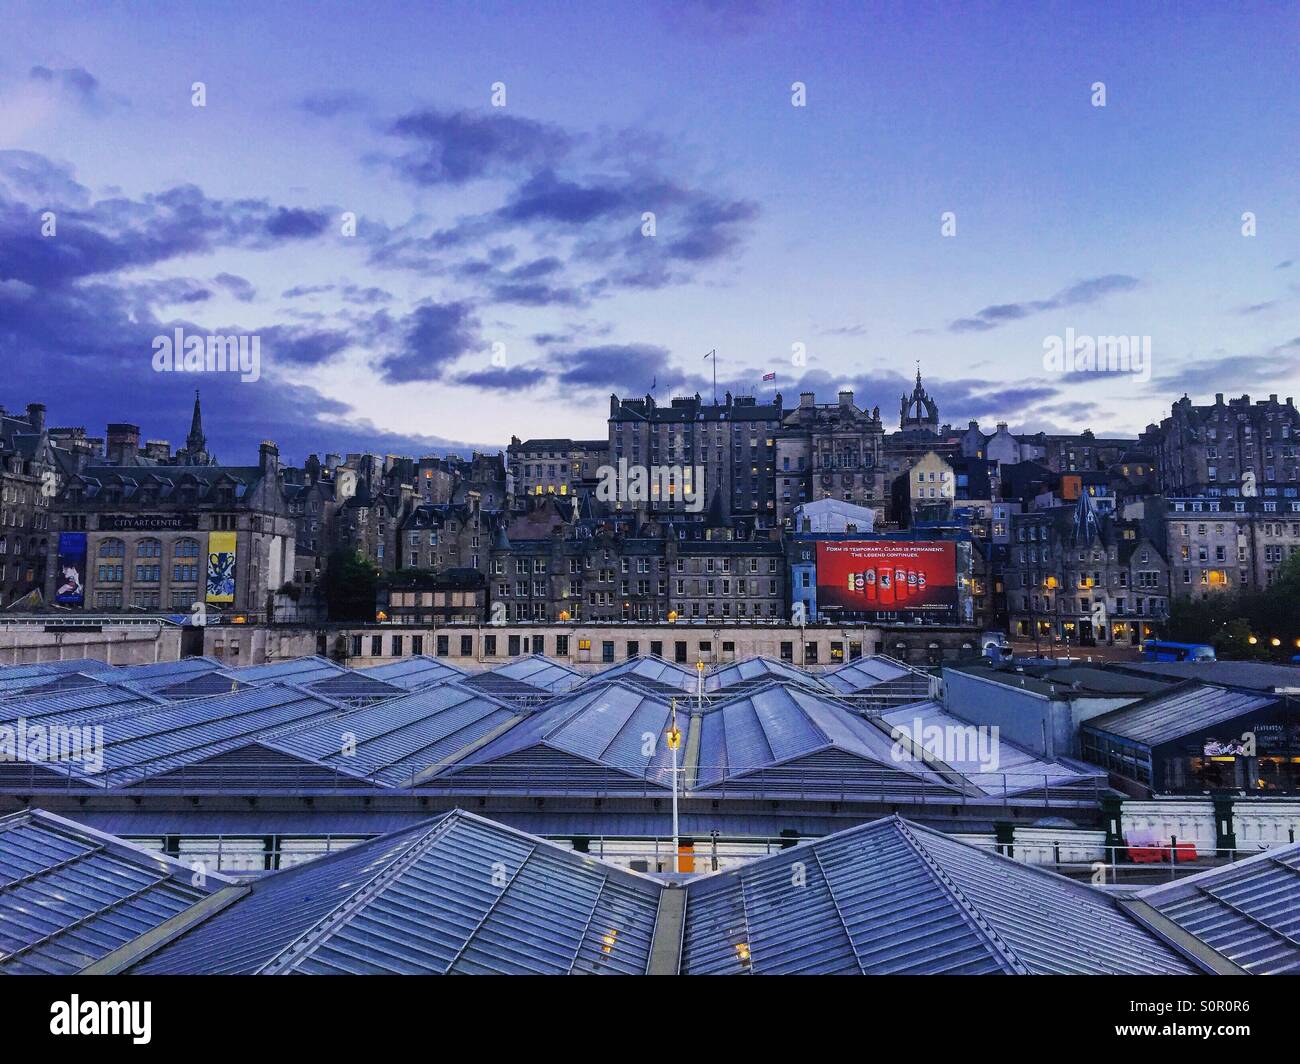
x,y
1161,650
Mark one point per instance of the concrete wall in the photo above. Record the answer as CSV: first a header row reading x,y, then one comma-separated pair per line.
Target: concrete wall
x,y
126,645
1045,724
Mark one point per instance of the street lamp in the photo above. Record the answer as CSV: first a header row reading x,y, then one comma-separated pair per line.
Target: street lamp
x,y
674,741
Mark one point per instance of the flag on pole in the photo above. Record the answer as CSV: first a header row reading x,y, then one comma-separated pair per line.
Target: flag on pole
x,y
769,376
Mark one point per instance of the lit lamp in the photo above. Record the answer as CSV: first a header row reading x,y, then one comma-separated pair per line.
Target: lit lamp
x,y
1252,640
1276,641
564,615
672,616
381,617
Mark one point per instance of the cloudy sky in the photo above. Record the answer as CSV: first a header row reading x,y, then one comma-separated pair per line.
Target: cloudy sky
x,y
500,160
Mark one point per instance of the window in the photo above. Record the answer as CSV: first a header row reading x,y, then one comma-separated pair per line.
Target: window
x,y
607,650
417,644
397,646
562,645
376,646
467,646
443,646
633,648
489,646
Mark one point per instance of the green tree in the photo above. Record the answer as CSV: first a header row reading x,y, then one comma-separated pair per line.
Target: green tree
x,y
350,585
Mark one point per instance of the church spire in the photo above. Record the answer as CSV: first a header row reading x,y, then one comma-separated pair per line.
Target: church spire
x,y
196,441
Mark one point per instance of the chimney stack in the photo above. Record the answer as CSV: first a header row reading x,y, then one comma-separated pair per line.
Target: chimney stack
x,y
36,416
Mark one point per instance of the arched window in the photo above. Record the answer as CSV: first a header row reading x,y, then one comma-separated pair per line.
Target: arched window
x,y
109,569
148,548
4,545
185,565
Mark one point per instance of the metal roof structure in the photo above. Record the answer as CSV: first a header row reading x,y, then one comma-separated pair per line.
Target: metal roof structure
x,y
1185,709
1256,675
155,746
395,743
507,689
542,672
863,673
354,688
71,896
606,738
291,670
458,895
1009,770
34,686
1247,912
653,674
415,672
81,705
891,897
154,675
51,668
781,739
752,672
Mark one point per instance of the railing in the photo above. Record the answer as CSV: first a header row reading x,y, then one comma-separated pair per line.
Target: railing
x,y
910,784
256,854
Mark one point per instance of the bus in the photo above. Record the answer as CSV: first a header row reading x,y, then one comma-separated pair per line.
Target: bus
x,y
1162,650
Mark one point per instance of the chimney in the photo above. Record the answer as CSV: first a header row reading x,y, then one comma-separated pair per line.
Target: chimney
x,y
807,399
1218,398
123,443
36,416
268,457
846,399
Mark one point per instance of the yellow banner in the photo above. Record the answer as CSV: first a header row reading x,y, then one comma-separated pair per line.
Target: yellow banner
x,y
221,567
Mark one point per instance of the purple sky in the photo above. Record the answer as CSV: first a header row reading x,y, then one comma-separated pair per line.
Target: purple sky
x,y
499,281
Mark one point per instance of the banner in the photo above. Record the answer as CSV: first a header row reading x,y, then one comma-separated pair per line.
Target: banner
x,y
221,567
886,576
69,579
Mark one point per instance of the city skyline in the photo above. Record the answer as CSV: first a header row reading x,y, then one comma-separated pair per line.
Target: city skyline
x,y
499,282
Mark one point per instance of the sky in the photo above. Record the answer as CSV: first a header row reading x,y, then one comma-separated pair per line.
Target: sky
x,y
449,223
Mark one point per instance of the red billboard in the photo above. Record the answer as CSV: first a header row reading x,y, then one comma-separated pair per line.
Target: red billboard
x,y
886,576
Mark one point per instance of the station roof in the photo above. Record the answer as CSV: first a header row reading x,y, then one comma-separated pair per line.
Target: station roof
x,y
590,737
1247,912
1255,675
783,739
70,896
755,671
865,673
654,674
291,670
457,895
150,747
1182,710
892,897
396,741
1006,769
414,672
540,671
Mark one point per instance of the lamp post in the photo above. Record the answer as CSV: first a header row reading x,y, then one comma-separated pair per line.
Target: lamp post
x,y
674,741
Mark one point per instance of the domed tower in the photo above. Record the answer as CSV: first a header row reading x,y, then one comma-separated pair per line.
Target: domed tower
x,y
919,412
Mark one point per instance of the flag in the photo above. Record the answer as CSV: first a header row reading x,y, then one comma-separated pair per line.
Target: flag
x,y
769,376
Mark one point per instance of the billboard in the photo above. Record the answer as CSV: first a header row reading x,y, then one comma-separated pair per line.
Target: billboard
x,y
70,578
221,567
887,576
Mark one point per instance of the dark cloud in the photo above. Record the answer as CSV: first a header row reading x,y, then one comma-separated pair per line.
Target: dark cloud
x,y
628,369
429,339
300,346
504,378
296,222
455,147
1233,373
239,287
1078,294
113,234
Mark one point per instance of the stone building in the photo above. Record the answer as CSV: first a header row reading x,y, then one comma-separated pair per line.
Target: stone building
x,y
1235,448
29,475
829,451
1083,576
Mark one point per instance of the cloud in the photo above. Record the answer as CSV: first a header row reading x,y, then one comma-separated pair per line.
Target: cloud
x,y
505,379
432,337
1078,294
78,85
239,287
456,147
333,104
1232,373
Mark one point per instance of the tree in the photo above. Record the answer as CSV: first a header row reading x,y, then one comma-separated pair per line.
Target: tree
x,y
350,585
